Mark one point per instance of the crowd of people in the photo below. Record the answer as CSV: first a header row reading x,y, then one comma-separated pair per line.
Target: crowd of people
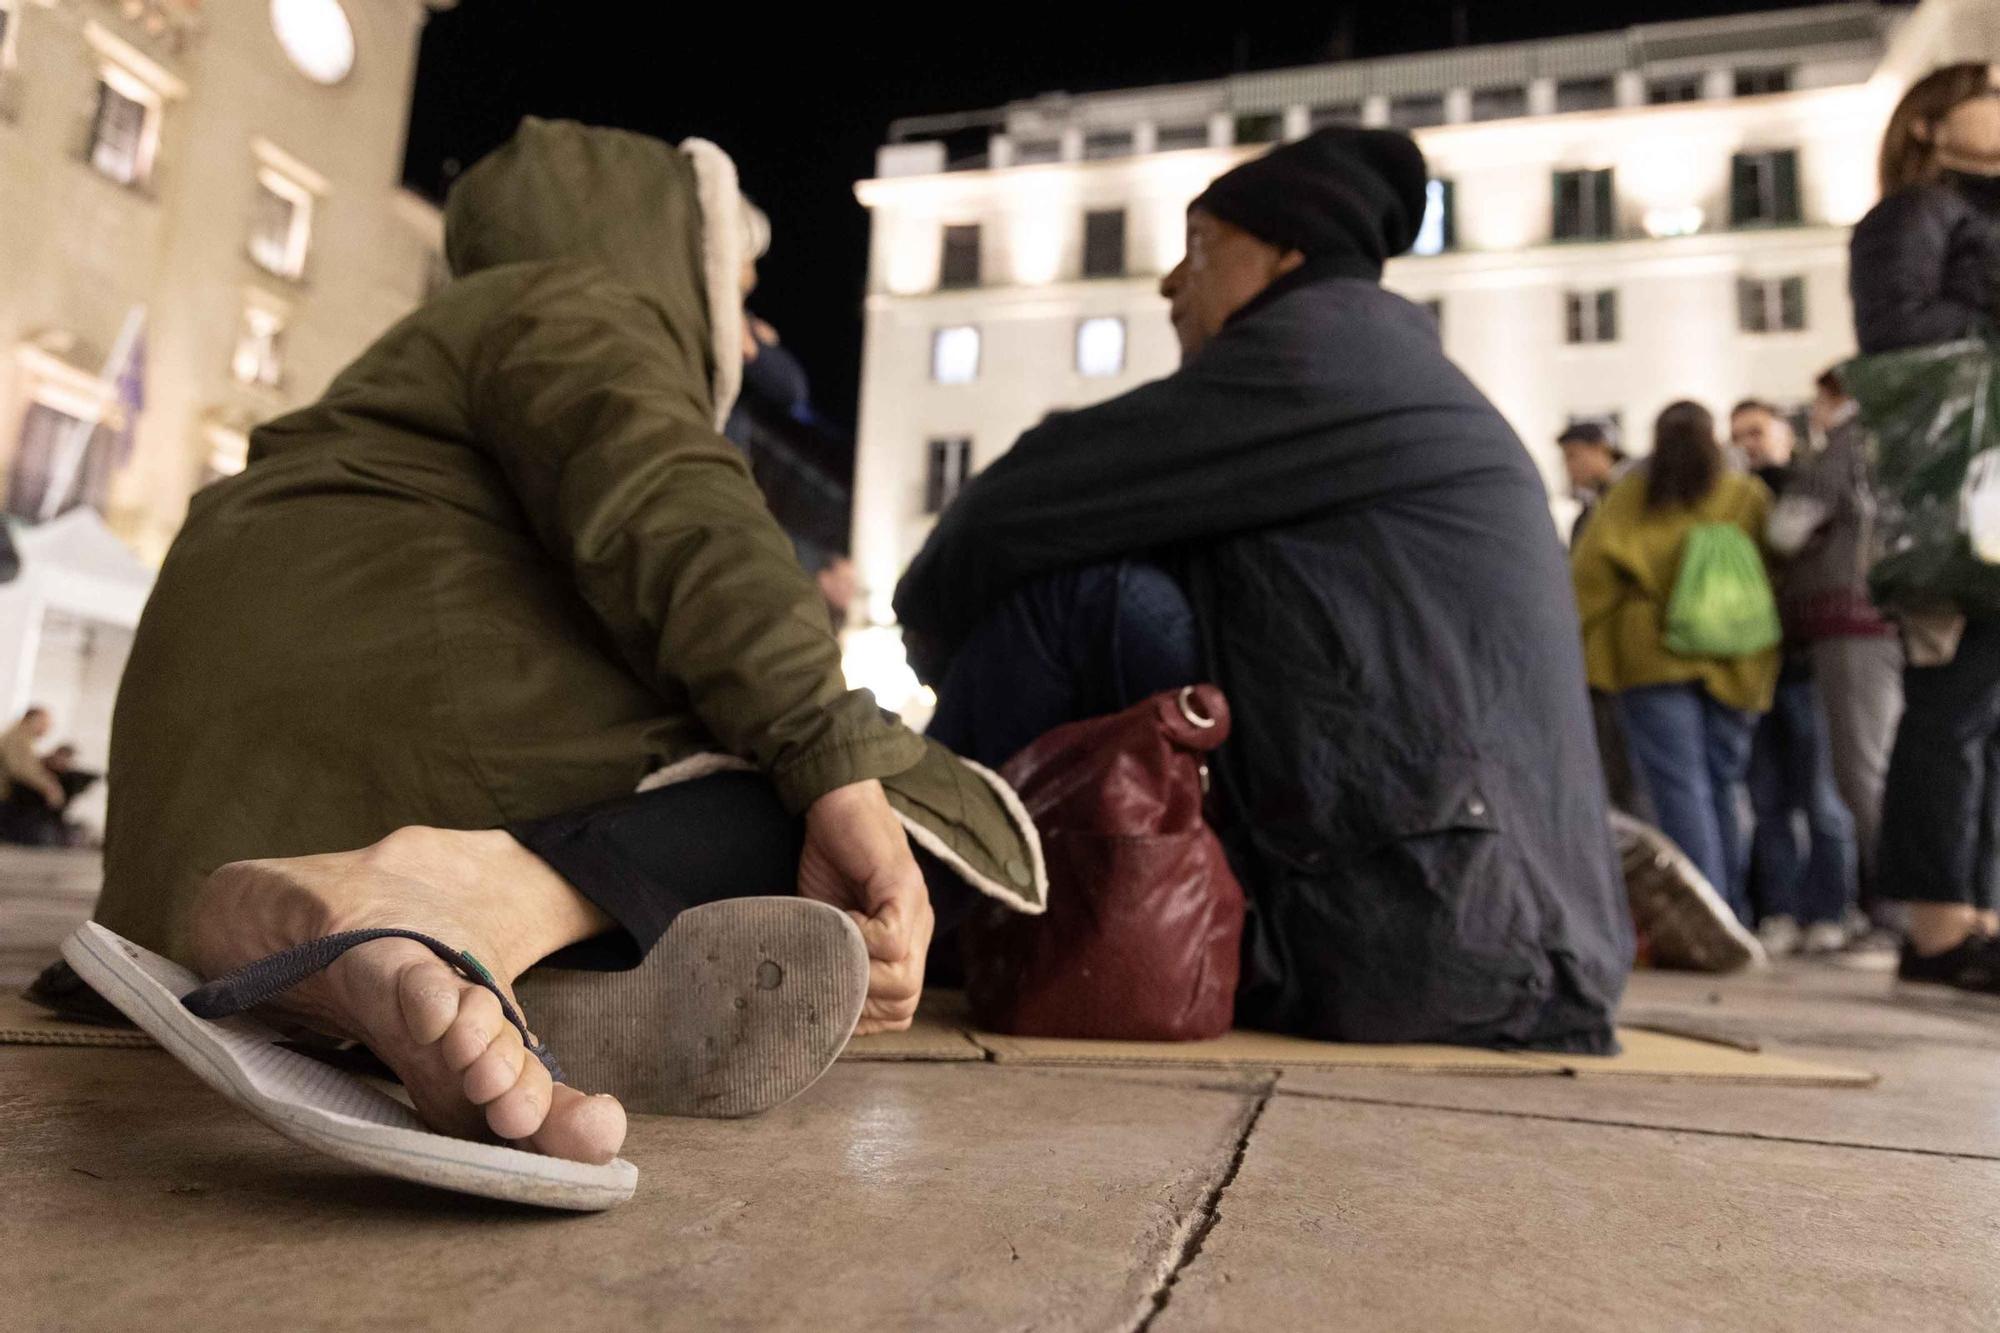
x,y
1860,737
523,667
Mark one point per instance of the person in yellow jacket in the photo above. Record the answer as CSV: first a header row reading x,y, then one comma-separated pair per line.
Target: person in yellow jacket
x,y
1688,720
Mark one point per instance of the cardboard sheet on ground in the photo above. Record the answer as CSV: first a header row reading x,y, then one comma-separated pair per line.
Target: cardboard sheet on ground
x,y
943,1031
943,1022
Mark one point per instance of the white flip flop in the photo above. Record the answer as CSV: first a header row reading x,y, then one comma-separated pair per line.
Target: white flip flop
x,y
324,1108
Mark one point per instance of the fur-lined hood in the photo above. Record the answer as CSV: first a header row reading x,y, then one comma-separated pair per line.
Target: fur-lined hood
x,y
666,220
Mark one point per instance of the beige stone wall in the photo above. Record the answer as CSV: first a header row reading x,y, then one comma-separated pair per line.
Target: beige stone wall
x,y
78,250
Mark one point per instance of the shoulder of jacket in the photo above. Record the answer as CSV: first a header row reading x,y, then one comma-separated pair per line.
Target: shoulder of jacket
x,y
1931,203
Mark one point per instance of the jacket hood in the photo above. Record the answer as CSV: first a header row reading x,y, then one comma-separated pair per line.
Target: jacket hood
x,y
668,221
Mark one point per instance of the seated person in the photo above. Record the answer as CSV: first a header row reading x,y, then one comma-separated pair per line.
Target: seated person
x,y
456,611
29,817
1322,515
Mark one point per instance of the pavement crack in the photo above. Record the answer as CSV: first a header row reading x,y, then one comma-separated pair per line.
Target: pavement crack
x,y
1603,1122
1192,1233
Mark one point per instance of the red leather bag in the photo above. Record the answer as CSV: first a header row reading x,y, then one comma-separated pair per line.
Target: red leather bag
x,y
1145,918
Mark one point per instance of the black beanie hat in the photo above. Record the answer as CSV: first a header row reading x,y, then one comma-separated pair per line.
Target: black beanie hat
x,y
1341,193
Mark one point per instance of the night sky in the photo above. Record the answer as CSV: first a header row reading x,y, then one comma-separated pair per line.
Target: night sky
x,y
803,104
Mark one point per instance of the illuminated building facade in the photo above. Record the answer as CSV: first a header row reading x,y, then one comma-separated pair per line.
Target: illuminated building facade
x,y
1618,220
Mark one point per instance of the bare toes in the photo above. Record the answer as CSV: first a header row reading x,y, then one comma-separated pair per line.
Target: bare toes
x,y
478,1022
518,1112
428,994
497,1069
581,1128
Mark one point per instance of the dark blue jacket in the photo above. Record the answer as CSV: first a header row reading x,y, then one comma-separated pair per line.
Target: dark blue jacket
x,y
1411,792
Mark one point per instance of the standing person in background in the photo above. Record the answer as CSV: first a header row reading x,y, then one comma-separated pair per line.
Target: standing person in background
x,y
1923,272
1799,906
1688,719
1824,526
1593,463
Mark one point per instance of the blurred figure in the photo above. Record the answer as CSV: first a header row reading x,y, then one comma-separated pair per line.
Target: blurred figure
x,y
1688,720
24,765
1799,904
1593,463
839,583
1922,274
1824,525
27,815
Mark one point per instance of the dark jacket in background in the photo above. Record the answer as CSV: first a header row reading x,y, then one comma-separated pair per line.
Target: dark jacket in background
x,y
1411,792
1925,265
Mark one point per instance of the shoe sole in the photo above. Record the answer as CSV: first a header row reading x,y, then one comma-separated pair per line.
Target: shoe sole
x,y
740,1008
1678,910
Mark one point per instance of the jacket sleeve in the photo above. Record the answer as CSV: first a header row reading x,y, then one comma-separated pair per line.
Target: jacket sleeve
x,y
598,415
1897,275
1599,584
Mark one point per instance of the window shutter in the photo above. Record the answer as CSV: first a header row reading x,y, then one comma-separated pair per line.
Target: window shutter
x,y
1607,316
1450,198
1785,186
1792,302
1749,306
1606,221
1742,190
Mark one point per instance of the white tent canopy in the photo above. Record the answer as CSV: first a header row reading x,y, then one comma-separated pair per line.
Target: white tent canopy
x,y
73,566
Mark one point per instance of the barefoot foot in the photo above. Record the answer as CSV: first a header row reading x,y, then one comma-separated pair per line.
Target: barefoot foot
x,y
465,1067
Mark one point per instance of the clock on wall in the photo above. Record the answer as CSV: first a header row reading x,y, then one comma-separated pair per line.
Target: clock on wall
x,y
317,36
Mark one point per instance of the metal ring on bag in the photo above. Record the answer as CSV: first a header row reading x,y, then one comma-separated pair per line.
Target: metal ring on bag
x,y
1186,701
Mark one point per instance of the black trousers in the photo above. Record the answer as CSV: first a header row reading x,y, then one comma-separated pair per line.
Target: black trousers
x,y
1941,805
646,858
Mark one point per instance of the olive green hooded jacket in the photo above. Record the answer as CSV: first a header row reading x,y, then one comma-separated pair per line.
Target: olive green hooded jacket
x,y
507,567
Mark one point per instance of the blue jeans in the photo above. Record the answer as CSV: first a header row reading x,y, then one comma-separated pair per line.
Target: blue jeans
x,y
1082,643
1791,773
1692,753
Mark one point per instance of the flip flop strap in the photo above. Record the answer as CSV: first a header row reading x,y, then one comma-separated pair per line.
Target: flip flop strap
x,y
254,983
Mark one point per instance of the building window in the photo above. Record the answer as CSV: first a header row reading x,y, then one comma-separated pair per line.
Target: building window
x,y
1414,113
950,468
1104,243
1590,317
1764,188
281,224
1439,230
1173,138
1585,209
1508,103
1335,113
961,257
1757,82
1260,127
1586,94
1029,152
955,354
49,443
125,131
1771,305
1100,347
1677,88
260,347
1101,144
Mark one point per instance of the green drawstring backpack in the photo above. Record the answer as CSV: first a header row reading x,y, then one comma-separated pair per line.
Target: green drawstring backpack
x,y
1722,604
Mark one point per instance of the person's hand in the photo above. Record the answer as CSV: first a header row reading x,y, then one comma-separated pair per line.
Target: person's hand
x,y
857,857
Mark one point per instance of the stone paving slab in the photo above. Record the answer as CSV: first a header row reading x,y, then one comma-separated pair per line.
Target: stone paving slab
x,y
1387,1218
890,1196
